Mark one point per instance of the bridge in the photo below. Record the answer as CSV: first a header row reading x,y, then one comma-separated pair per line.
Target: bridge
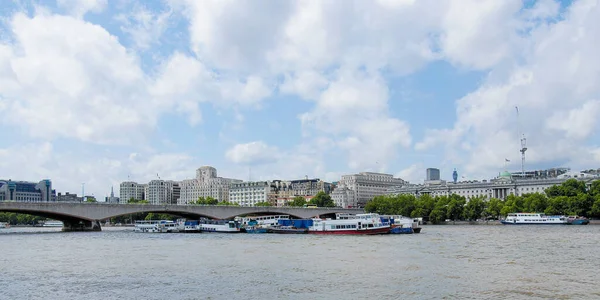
x,y
83,216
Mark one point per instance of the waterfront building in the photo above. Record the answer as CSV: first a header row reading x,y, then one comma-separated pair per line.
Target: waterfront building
x,y
206,184
131,189
500,187
249,193
27,191
357,189
68,197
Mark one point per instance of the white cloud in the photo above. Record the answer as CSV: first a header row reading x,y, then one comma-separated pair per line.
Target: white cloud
x,y
79,8
413,173
256,152
554,90
144,26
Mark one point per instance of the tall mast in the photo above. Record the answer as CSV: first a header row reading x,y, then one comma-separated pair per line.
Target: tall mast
x,y
523,145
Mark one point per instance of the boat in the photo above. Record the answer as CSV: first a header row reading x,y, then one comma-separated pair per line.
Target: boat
x,y
225,226
402,225
4,225
350,224
286,229
255,229
53,224
156,226
191,227
577,220
268,220
533,219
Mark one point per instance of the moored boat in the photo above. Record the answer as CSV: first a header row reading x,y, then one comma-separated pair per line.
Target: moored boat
x,y
350,224
533,219
52,224
156,226
577,220
287,229
255,229
223,226
402,225
4,225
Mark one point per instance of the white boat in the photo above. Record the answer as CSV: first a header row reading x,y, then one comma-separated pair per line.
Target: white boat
x,y
219,226
534,219
156,226
270,220
53,224
4,225
350,224
402,225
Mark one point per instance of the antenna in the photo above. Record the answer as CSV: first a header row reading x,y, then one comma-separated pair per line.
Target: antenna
x,y
523,145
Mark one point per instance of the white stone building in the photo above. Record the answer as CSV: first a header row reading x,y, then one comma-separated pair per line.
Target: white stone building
x,y
131,189
206,184
357,189
249,193
500,187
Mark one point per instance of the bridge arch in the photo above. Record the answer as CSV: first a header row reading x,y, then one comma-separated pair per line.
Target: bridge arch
x,y
70,222
182,213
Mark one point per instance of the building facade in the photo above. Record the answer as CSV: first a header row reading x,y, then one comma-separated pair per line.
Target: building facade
x,y
27,191
500,187
249,193
206,184
131,190
68,197
432,174
357,189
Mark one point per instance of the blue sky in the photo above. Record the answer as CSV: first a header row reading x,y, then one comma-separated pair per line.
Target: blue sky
x,y
101,91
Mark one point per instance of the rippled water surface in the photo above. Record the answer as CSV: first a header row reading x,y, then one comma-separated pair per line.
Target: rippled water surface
x,y
443,262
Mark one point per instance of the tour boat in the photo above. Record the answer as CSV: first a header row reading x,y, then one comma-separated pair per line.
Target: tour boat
x,y
219,226
350,224
533,219
53,224
270,220
156,226
255,229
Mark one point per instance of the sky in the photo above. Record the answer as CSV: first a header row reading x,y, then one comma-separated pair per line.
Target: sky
x,y
99,92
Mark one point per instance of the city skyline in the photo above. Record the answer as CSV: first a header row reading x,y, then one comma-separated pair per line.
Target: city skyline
x,y
130,91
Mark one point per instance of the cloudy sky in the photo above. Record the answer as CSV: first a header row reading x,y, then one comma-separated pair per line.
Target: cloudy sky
x,y
100,91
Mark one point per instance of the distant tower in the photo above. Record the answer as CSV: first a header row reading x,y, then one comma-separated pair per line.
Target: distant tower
x,y
455,175
432,174
523,145
112,193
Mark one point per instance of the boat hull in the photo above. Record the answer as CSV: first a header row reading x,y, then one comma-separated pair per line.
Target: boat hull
x,y
401,230
288,231
256,230
382,230
580,222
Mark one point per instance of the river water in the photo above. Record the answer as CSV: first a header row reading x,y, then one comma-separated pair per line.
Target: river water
x,y
443,262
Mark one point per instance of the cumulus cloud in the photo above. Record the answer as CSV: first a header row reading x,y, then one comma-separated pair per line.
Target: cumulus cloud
x,y
252,153
79,8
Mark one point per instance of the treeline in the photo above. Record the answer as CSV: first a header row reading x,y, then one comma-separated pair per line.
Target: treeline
x,y
569,198
20,219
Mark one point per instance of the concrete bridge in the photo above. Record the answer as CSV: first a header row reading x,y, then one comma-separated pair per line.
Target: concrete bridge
x,y
83,216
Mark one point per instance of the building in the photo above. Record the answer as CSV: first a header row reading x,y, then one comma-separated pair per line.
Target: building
x,y
27,191
249,193
68,197
206,184
131,190
358,189
112,198
500,187
432,174
157,192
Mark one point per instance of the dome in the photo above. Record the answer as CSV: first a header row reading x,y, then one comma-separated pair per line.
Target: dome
x,y
505,174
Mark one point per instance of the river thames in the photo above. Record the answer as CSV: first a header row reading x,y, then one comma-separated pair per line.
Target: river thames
x,y
443,262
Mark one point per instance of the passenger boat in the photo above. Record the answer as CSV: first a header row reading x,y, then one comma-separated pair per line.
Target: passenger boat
x,y
269,220
576,220
533,219
255,229
350,224
191,227
219,226
286,229
156,226
53,224
4,225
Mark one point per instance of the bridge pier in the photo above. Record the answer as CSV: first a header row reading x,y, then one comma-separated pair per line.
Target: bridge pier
x,y
82,225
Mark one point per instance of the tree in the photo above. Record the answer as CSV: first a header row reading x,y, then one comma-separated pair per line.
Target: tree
x,y
262,204
494,208
136,201
206,201
90,199
474,208
298,201
321,199
227,203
